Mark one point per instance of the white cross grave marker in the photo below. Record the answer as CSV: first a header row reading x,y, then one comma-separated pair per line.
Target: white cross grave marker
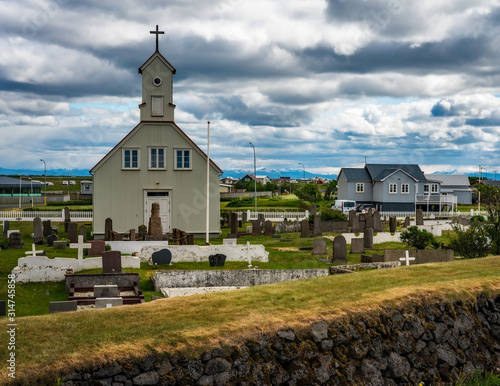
x,y
80,245
407,258
33,251
248,255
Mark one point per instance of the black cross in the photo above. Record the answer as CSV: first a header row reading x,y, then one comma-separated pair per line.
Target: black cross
x,y
157,33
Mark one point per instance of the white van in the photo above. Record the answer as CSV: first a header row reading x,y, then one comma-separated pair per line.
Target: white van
x,y
344,205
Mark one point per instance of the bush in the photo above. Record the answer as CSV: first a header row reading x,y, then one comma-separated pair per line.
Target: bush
x,y
332,215
471,243
418,239
304,205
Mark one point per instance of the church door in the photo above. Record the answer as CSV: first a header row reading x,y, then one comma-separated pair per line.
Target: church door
x,y
162,197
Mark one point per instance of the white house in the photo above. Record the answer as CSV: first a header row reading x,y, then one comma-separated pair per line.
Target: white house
x,y
457,185
156,162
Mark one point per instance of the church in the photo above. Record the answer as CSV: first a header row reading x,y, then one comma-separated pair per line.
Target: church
x,y
156,162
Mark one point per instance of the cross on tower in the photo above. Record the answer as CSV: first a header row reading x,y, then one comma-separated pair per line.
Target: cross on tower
x,y
157,33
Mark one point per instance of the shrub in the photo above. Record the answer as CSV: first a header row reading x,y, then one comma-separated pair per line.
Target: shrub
x,y
418,239
471,243
332,215
304,205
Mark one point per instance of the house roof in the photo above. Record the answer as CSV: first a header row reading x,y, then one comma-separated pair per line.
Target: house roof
x,y
135,129
9,182
356,174
489,182
159,56
450,179
379,172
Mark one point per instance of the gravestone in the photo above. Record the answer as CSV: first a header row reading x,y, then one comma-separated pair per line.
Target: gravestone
x,y
353,221
106,291
112,262
406,223
6,225
262,220
377,223
268,231
317,225
37,231
256,228
47,228
155,228
64,306
313,209
16,240
97,247
304,228
420,217
369,223
233,220
162,257
368,238
50,240
319,247
67,218
73,232
131,235
108,228
3,307
357,245
244,216
108,302
190,239
392,224
339,250
82,231
217,260
142,231
60,244
80,245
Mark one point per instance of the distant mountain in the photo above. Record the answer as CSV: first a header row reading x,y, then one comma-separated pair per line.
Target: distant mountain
x,y
276,173
51,172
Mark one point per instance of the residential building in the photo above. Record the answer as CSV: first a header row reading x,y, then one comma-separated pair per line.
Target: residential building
x,y
453,184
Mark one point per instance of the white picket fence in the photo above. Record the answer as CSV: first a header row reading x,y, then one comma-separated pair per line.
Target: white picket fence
x,y
53,215
428,215
276,216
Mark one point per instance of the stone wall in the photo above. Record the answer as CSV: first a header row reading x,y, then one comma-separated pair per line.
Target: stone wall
x,y
334,226
287,227
421,256
230,278
90,279
425,342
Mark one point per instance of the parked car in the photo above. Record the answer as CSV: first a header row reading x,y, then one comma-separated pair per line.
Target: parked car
x,y
344,205
363,208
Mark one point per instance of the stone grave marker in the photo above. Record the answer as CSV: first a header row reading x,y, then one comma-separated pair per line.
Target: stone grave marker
x,y
276,236
262,220
319,247
34,252
244,216
97,247
368,238
106,291
229,241
73,232
392,224
256,228
406,223
16,240
217,260
155,228
37,231
317,225
377,222
50,240
80,245
111,262
162,257
67,218
369,223
6,225
108,228
3,307
304,228
82,231
420,217
339,250
313,209
108,302
357,245
190,239
60,244
64,306
47,228
131,235
142,231
268,228
233,220
353,221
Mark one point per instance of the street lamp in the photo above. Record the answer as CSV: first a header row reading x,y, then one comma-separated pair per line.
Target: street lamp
x,y
20,192
304,170
479,190
45,176
31,191
255,177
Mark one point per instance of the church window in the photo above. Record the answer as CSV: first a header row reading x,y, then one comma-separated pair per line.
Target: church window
x,y
130,158
183,159
157,106
157,157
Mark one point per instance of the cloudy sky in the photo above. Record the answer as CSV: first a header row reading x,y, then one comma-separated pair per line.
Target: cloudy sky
x,y
324,83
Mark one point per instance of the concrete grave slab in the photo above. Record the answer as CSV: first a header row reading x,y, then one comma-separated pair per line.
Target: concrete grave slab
x,y
174,292
108,302
64,306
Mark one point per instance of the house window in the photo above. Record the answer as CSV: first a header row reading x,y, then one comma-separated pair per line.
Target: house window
x,y
426,189
157,157
393,188
434,188
360,187
157,106
405,188
130,158
183,159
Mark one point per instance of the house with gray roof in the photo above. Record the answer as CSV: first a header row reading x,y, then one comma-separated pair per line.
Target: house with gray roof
x,y
454,184
391,188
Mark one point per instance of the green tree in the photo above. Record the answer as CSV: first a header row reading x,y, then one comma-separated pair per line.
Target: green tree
x,y
309,192
328,214
330,189
490,201
472,242
418,238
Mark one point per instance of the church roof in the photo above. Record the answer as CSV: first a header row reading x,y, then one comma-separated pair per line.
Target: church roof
x,y
159,56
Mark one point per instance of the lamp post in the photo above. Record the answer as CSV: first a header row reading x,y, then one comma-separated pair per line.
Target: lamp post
x,y
31,191
304,171
255,177
207,242
479,190
20,192
45,181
